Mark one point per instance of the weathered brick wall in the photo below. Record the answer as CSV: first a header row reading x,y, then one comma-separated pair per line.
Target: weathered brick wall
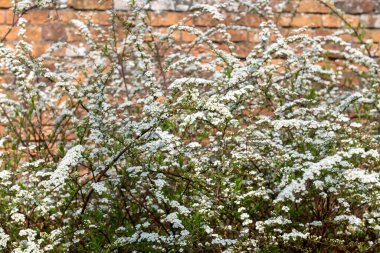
x,y
47,26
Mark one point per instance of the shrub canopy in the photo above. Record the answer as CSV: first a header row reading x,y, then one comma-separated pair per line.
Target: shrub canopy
x,y
135,142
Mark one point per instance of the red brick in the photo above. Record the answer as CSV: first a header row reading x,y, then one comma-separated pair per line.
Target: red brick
x,y
165,18
176,35
253,36
90,4
99,18
374,35
238,35
331,21
39,48
310,20
186,36
243,49
2,17
9,17
63,16
323,32
72,34
348,37
37,17
205,19
54,33
199,49
11,36
252,20
355,6
284,20
352,20
312,6
33,33
6,77
6,4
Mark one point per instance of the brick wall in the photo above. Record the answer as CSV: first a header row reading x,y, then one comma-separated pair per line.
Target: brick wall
x,y
47,26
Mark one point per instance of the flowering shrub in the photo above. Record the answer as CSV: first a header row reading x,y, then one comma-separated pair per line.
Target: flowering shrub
x,y
135,142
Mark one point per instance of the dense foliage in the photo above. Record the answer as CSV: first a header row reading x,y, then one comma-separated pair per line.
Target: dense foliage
x,y
136,142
